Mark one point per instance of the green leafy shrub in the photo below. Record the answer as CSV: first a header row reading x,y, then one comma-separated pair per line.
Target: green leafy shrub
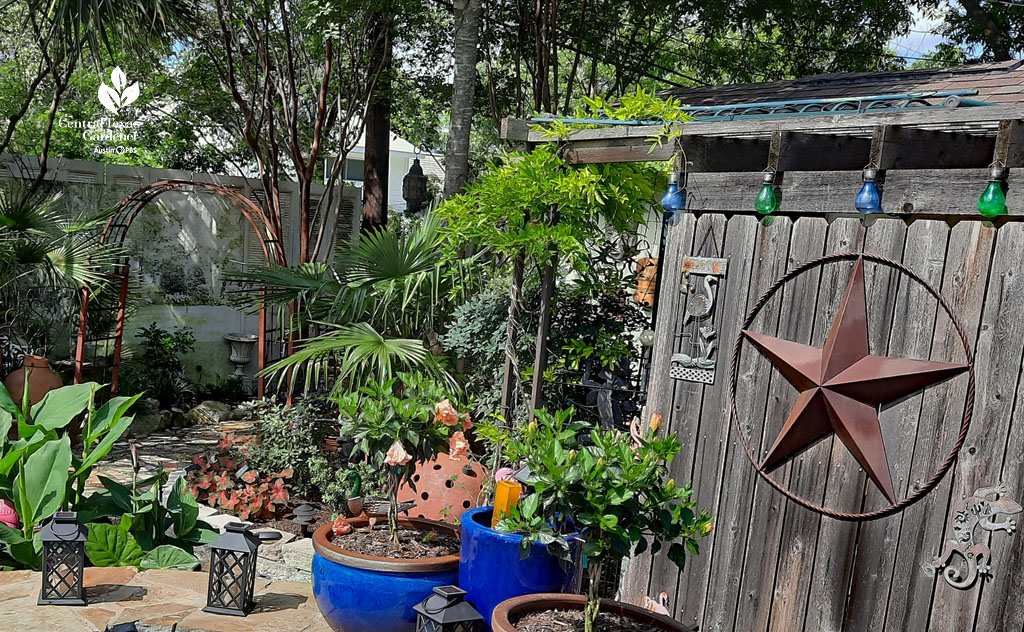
x,y
224,480
611,488
158,370
288,438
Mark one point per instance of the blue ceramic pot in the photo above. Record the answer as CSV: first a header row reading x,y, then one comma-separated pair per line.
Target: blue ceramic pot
x,y
491,571
365,593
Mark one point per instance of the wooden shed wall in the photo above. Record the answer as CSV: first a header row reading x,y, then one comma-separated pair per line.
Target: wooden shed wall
x,y
770,564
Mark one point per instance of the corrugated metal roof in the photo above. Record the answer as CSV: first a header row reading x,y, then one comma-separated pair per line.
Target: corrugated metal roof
x,y
999,82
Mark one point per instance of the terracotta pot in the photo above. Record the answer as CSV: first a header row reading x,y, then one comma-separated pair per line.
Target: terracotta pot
x,y
513,609
445,489
41,380
366,593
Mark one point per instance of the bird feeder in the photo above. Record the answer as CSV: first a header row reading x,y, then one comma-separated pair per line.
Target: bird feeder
x,y
63,542
447,611
232,571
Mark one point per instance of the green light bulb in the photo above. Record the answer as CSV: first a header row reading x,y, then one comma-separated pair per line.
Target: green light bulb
x,y
766,202
992,202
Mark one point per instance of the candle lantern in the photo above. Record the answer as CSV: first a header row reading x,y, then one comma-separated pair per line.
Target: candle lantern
x,y
447,611
414,187
232,571
63,542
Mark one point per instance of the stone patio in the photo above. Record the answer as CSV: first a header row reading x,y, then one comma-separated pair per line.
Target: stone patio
x,y
125,600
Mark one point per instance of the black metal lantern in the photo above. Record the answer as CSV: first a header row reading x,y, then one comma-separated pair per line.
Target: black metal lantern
x,y
63,561
232,571
414,187
447,611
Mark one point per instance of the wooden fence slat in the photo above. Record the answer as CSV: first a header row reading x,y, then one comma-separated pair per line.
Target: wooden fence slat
x,y
994,452
686,402
845,484
679,241
740,237
966,269
911,333
756,594
807,473
732,520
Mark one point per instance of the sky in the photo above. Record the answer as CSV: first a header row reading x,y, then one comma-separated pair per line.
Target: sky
x,y
922,37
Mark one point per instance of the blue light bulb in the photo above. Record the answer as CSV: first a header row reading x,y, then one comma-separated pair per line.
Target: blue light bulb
x,y
674,200
869,200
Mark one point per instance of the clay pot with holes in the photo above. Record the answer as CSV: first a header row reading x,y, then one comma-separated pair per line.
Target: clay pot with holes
x,y
445,488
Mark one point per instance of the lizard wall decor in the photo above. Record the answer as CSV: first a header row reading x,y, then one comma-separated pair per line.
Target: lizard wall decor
x,y
970,513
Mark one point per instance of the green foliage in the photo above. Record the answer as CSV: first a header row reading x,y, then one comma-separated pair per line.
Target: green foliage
x,y
39,471
157,368
290,438
394,424
615,492
170,557
222,480
335,484
113,545
505,212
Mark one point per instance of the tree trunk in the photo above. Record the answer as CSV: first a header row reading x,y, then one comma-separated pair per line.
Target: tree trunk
x,y
378,140
467,38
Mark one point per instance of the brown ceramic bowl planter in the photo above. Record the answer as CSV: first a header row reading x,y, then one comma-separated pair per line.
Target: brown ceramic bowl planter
x,y
515,608
367,593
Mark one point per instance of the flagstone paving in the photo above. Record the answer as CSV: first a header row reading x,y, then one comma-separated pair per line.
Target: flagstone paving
x,y
123,599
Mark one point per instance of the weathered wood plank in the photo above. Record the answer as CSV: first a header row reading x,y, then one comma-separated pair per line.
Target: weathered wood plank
x,y
911,332
807,473
822,152
735,494
921,192
999,351
837,540
839,123
966,270
740,238
999,438
686,402
679,242
757,592
902,147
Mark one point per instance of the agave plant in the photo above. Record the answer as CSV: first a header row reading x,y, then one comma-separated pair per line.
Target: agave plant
x,y
376,310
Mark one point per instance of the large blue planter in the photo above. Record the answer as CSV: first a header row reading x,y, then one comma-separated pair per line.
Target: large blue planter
x,y
363,593
491,571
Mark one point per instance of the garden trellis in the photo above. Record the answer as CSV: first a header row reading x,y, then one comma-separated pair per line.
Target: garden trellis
x,y
771,564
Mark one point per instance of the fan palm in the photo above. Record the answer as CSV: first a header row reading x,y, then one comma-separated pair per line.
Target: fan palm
x,y
378,306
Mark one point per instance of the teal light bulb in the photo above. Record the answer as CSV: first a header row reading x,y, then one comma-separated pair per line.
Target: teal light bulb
x,y
992,202
766,202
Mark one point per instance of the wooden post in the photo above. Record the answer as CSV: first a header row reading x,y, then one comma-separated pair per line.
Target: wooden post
x,y
540,355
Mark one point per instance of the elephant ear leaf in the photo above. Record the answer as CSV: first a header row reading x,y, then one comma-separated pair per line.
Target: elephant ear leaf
x,y
60,406
169,557
184,509
110,545
39,492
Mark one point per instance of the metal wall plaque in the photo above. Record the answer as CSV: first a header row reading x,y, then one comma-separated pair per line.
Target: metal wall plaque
x,y
982,509
702,282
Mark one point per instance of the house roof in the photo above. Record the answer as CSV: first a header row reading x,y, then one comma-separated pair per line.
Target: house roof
x,y
999,82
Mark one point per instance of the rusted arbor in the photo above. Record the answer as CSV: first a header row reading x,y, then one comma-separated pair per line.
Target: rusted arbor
x,y
90,343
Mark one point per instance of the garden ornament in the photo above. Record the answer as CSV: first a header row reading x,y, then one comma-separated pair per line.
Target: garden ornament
x,y
974,511
695,362
8,515
660,606
842,386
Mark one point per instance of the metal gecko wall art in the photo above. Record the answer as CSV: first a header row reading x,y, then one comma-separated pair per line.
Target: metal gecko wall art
x,y
977,510
702,280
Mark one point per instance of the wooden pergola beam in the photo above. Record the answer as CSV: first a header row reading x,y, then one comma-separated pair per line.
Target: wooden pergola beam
x,y
900,147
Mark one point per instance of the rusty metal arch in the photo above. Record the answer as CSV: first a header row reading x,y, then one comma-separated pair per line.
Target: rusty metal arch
x,y
115,232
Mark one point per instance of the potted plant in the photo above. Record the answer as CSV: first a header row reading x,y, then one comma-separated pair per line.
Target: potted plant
x,y
498,564
367,577
618,493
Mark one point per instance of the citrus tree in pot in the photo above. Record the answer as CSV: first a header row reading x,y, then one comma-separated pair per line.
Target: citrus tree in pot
x,y
368,576
620,498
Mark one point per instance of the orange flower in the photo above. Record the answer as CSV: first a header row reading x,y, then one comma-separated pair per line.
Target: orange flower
x,y
458,447
446,413
467,423
341,526
397,456
656,421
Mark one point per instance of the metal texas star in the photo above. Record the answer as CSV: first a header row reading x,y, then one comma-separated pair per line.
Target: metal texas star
x,y
842,387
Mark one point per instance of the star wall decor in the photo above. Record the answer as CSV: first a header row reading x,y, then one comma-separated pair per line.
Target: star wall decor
x,y
842,386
